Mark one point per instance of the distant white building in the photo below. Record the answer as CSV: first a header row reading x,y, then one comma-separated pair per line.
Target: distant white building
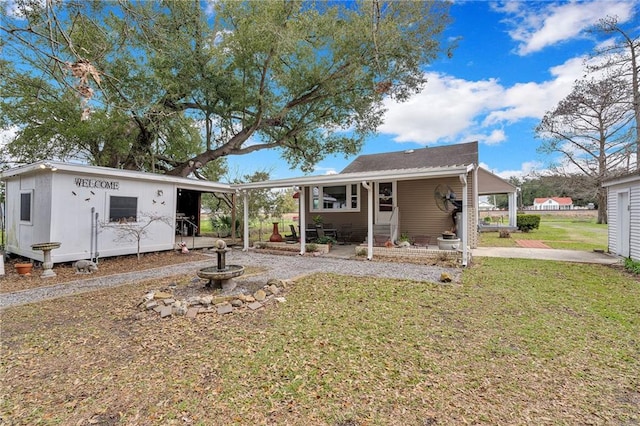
x,y
553,203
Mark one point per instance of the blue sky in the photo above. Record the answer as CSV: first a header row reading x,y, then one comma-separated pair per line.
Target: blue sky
x,y
515,61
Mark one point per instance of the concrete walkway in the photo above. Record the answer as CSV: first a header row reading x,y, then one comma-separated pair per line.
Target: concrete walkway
x,y
546,254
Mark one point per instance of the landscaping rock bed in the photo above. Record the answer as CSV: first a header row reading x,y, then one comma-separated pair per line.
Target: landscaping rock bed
x,y
191,300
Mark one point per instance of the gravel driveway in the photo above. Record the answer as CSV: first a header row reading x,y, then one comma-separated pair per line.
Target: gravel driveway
x,y
278,267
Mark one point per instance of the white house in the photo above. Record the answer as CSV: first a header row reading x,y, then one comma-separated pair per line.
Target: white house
x,y
553,203
87,209
623,215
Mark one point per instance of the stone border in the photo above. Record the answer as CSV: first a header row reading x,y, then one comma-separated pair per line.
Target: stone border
x,y
163,302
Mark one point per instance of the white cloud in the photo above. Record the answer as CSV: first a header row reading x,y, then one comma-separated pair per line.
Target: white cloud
x,y
452,109
539,25
447,107
527,169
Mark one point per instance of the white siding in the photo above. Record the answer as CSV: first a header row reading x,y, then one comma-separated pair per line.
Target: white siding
x,y
632,187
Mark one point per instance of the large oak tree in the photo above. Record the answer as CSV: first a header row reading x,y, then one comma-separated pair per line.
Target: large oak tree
x,y
174,87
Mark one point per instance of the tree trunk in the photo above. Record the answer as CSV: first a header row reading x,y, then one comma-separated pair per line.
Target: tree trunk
x,y
602,205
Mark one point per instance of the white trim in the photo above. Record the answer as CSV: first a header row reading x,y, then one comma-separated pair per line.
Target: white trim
x,y
346,178
348,199
31,207
82,169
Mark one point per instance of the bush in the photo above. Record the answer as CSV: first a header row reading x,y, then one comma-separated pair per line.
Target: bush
x,y
311,248
527,222
632,266
505,233
325,240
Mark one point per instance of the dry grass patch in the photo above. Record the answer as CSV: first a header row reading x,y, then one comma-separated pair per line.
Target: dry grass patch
x,y
519,342
65,272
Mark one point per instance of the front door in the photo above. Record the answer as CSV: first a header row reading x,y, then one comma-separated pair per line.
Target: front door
x,y
385,201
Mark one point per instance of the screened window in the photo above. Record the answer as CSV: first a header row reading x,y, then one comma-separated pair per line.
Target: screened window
x,y
25,206
338,197
123,209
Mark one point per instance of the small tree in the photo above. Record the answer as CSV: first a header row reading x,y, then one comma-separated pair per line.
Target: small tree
x,y
136,231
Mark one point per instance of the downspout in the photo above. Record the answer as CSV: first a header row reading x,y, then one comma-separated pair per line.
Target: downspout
x,y
245,201
93,209
476,209
302,210
465,217
369,188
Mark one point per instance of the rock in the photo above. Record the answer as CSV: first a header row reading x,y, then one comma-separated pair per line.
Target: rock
x,y
85,267
166,311
180,309
149,296
280,299
194,300
260,295
273,289
206,300
162,295
236,303
445,277
169,301
192,312
222,299
225,309
151,305
249,299
255,305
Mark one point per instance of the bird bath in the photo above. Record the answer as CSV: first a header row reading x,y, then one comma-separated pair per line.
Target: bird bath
x,y
47,264
221,276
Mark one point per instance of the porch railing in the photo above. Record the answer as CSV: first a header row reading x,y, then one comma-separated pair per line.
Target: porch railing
x,y
394,223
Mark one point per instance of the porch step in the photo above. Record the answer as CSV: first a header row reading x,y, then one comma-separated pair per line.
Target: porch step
x,y
382,229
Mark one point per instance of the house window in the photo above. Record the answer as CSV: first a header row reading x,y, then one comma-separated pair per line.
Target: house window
x,y
26,200
337,197
123,209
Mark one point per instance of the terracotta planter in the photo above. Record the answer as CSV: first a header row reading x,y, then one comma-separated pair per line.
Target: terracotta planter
x,y
23,268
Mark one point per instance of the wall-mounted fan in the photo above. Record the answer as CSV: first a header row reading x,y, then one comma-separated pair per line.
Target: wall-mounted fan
x,y
446,198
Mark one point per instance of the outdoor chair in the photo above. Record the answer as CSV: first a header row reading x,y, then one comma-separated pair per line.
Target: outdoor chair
x,y
345,233
293,236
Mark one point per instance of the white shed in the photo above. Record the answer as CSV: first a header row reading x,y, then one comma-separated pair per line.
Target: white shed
x,y
623,215
87,209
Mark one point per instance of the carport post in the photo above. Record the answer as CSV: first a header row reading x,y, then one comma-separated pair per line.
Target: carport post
x,y
245,200
302,206
369,187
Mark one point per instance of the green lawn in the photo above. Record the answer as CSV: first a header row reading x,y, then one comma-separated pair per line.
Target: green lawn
x,y
518,342
557,232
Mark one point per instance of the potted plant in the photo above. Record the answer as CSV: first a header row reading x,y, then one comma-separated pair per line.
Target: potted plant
x,y
404,240
23,268
448,235
318,220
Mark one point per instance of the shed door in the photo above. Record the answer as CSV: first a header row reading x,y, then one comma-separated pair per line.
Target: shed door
x,y
624,225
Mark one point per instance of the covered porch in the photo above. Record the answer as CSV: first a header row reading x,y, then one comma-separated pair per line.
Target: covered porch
x,y
392,204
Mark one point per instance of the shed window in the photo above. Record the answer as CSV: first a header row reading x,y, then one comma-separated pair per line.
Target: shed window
x,y
25,206
338,197
123,209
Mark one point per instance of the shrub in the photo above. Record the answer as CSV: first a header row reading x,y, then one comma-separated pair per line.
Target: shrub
x,y
311,248
504,233
362,252
486,220
632,266
325,240
527,222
